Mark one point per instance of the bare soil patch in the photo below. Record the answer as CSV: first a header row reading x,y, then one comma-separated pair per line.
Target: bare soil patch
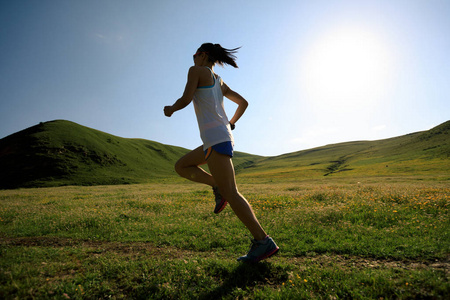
x,y
168,252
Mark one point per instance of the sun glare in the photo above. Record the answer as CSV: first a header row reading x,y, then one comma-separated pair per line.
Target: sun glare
x,y
346,69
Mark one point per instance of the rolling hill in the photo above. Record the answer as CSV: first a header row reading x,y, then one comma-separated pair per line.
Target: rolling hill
x,y
423,154
65,153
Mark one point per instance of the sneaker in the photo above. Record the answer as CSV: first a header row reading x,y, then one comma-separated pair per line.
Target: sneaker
x,y
220,201
260,250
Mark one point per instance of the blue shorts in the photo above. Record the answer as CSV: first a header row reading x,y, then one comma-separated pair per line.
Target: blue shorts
x,y
222,148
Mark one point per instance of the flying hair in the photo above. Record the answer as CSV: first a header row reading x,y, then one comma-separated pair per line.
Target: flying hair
x,y
219,55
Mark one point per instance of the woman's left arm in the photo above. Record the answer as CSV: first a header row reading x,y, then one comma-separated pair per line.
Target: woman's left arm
x,y
189,90
236,98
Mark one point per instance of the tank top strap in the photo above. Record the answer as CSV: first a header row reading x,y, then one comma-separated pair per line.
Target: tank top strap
x,y
212,75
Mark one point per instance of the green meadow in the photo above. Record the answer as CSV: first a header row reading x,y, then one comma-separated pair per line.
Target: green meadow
x,y
61,153
351,238
88,215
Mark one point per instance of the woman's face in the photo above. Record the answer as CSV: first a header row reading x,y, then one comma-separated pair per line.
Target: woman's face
x,y
199,57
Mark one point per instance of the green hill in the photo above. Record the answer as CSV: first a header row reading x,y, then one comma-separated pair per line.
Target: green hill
x,y
64,153
425,154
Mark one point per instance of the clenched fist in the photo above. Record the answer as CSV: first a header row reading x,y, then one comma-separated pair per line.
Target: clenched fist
x,y
168,111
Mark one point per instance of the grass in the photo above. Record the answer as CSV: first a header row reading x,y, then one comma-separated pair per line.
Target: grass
x,y
59,153
338,239
421,153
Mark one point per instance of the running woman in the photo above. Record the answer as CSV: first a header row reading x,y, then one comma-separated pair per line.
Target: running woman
x,y
206,89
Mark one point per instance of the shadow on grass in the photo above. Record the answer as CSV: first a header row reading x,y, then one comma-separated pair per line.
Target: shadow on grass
x,y
246,276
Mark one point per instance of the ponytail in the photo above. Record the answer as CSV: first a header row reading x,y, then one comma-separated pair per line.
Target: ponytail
x,y
219,55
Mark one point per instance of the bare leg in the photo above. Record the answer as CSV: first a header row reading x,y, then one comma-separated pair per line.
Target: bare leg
x,y
188,167
222,170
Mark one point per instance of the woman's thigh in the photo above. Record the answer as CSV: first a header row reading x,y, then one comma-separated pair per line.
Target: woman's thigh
x,y
222,169
194,158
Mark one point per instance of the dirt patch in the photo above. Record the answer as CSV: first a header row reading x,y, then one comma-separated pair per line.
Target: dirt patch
x,y
99,247
168,252
373,263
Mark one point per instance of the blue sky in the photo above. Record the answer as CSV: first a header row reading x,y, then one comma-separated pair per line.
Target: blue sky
x,y
314,72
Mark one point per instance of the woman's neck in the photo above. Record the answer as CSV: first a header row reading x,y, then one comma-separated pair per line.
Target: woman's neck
x,y
208,64
205,63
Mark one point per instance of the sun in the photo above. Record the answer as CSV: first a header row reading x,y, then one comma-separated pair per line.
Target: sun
x,y
346,69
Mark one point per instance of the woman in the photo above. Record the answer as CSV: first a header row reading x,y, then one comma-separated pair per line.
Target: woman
x,y
207,89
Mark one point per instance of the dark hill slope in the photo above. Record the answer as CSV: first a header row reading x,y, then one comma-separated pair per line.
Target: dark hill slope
x,y
424,153
65,153
62,152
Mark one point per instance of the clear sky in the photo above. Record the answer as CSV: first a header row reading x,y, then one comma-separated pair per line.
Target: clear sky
x,y
314,72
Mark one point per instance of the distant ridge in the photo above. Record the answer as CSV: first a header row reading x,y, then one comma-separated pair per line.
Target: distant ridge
x,y
424,154
61,152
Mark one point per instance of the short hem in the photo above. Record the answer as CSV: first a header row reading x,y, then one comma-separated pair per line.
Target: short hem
x,y
225,148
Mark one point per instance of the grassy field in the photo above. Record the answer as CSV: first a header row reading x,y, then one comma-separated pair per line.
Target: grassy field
x,y
339,239
60,153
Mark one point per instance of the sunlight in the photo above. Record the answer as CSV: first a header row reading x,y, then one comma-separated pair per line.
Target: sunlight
x,y
347,69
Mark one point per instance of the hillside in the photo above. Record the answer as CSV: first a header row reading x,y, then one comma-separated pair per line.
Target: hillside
x,y
61,152
425,154
64,153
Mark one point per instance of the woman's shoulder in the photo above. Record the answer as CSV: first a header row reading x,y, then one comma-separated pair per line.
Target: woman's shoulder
x,y
199,70
197,73
203,74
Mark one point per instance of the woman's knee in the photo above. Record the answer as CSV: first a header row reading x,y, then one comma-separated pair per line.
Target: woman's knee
x,y
230,194
179,166
192,159
183,165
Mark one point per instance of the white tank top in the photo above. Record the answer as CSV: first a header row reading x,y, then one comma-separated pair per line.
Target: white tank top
x,y
212,120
